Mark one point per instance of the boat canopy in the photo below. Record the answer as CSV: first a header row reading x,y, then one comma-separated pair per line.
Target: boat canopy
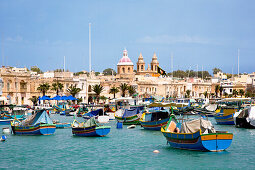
x,y
98,112
157,115
130,112
40,116
194,125
90,122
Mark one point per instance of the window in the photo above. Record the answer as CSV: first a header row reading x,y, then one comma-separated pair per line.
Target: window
x,y
129,69
89,88
155,68
8,86
123,70
142,67
138,68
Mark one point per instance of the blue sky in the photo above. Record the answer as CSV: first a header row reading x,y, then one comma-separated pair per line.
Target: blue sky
x,y
206,33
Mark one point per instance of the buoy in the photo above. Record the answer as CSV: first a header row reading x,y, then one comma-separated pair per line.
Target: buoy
x,y
119,125
131,127
6,130
3,138
155,151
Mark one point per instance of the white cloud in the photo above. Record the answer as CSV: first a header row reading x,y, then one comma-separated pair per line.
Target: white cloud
x,y
166,39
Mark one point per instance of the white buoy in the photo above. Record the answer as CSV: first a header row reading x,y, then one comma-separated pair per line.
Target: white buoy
x,y
155,151
131,127
6,130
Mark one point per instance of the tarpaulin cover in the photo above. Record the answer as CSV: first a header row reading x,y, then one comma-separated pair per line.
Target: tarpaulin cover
x,y
39,117
130,112
194,125
93,113
90,122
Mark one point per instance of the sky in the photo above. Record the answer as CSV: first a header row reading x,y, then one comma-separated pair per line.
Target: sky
x,y
198,33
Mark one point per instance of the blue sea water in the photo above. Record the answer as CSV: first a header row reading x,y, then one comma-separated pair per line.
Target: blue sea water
x,y
121,149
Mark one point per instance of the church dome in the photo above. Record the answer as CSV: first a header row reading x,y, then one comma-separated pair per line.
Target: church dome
x,y
125,60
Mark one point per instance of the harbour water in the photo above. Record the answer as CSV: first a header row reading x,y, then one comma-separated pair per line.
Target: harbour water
x,y
121,148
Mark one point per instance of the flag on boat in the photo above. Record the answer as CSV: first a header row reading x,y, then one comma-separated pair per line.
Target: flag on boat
x,y
161,71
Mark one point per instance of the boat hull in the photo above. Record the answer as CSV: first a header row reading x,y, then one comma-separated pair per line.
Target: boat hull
x,y
214,142
154,125
222,119
39,129
5,121
92,131
132,120
242,123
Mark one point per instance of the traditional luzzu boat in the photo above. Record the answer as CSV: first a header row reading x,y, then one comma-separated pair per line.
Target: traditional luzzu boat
x,y
128,116
38,124
225,115
89,129
197,134
154,120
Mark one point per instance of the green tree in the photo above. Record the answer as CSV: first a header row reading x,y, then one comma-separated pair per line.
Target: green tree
x,y
109,71
217,88
73,90
34,100
114,90
98,89
103,98
211,94
241,92
221,90
43,88
36,69
235,92
123,88
205,94
216,70
248,94
57,87
225,94
131,90
97,73
187,95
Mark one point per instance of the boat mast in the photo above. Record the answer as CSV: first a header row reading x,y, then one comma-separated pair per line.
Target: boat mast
x,y
64,63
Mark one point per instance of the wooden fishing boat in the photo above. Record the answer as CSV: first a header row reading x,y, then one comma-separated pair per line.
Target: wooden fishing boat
x,y
225,116
89,129
128,116
154,120
195,135
37,124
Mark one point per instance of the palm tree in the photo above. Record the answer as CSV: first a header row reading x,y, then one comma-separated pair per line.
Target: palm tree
x,y
73,90
103,98
241,92
98,89
247,94
217,87
235,92
205,94
221,90
225,94
131,90
43,88
114,90
123,88
57,87
188,93
34,100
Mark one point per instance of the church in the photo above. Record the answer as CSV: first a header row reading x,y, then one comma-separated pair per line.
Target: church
x,y
125,67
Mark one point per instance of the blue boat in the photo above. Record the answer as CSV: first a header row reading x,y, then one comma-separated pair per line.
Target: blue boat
x,y
89,129
225,116
93,113
197,134
37,124
154,120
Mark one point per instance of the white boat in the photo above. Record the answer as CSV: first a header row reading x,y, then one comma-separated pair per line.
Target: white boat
x,y
6,130
103,119
111,115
